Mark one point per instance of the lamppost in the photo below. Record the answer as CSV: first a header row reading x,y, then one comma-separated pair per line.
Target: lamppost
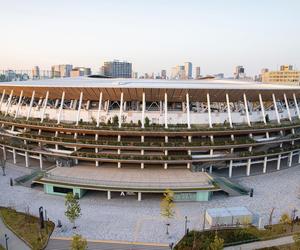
x,y
167,224
171,245
6,239
185,225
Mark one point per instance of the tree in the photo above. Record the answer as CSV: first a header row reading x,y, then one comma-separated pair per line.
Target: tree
x,y
296,238
167,204
78,243
139,123
3,166
285,219
267,118
115,120
73,210
147,122
217,244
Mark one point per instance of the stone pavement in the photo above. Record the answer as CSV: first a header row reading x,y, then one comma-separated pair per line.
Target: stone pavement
x,y
262,244
14,243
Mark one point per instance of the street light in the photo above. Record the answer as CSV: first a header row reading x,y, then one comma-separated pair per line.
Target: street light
x,y
185,224
167,224
6,239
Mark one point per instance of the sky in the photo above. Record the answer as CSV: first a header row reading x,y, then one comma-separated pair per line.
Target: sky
x,y
216,35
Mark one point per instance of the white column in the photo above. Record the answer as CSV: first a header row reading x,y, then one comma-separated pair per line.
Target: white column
x,y
290,159
165,165
298,156
30,105
139,196
143,110
230,169
228,110
119,164
209,111
262,108
108,195
246,109
276,109
19,104
79,108
14,156
121,109
188,110
265,164
41,162
2,98
45,105
248,167
26,159
166,110
99,109
287,107
296,105
9,101
61,107
278,162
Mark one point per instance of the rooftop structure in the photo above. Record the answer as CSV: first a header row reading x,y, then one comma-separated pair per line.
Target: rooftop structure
x,y
286,75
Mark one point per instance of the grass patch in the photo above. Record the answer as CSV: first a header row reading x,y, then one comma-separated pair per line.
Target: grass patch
x,y
27,227
2,248
234,236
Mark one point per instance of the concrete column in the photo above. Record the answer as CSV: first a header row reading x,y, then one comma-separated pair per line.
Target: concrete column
x,y
248,167
189,138
262,108
166,139
188,110
44,107
119,164
275,107
19,104
228,110
265,164
165,165
143,110
142,138
9,101
30,106
246,109
96,151
79,108
14,156
209,111
121,109
296,105
61,107
287,107
142,165
108,195
188,165
230,169
26,159
278,162
210,169
119,138
166,110
2,98
298,156
290,159
41,161
139,196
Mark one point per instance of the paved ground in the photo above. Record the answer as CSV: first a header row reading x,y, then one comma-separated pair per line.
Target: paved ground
x,y
126,219
262,244
14,243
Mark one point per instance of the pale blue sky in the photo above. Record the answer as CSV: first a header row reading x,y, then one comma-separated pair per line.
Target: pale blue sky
x,y
153,34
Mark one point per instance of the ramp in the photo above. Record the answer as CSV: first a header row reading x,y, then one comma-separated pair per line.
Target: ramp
x,y
231,188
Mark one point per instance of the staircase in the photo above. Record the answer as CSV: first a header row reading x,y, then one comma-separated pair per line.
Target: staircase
x,y
231,188
26,180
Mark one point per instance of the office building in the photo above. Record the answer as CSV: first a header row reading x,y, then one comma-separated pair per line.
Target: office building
x,y
198,72
239,72
63,70
36,72
81,71
286,75
188,68
117,69
163,74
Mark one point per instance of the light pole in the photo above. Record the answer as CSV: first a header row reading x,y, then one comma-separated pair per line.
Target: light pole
x,y
185,225
167,224
6,239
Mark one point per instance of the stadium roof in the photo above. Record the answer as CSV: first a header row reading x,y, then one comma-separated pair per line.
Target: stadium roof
x,y
154,89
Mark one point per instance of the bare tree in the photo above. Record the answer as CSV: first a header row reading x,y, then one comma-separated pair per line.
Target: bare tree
x,y
3,166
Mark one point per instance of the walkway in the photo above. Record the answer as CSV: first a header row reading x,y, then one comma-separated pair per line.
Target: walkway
x,y
14,243
262,244
59,244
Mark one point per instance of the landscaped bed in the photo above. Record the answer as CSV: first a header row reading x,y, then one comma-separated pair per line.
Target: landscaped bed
x,y
27,227
234,236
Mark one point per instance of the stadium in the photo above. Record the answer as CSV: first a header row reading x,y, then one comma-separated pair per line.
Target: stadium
x,y
139,137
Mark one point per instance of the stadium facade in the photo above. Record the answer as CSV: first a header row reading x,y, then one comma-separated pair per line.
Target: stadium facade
x,y
146,136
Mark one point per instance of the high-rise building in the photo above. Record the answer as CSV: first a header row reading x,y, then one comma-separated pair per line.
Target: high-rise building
x,y
239,72
178,72
198,72
81,71
188,68
163,74
63,70
286,75
36,72
118,69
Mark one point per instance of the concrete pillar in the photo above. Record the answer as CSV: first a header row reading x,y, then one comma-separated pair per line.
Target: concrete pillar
x,y
296,105
19,104
276,109
298,156
189,138
188,165
143,109
262,108
96,151
248,167
119,151
142,165
30,105
142,138
108,195
166,110
61,107
230,169
287,107
166,152
99,109
210,169
246,109
165,165
209,111
265,164
9,101
79,108
41,161
142,152
188,111
290,159
166,139
119,138
2,98
119,164
228,110
26,159
278,162
14,156
121,109
44,107
139,196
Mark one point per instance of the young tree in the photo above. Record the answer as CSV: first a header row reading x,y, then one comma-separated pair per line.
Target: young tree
x,y
217,244
73,210
285,219
147,122
115,120
78,243
3,166
167,204
296,238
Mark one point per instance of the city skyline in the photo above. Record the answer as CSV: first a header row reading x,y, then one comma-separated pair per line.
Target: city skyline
x,y
233,34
